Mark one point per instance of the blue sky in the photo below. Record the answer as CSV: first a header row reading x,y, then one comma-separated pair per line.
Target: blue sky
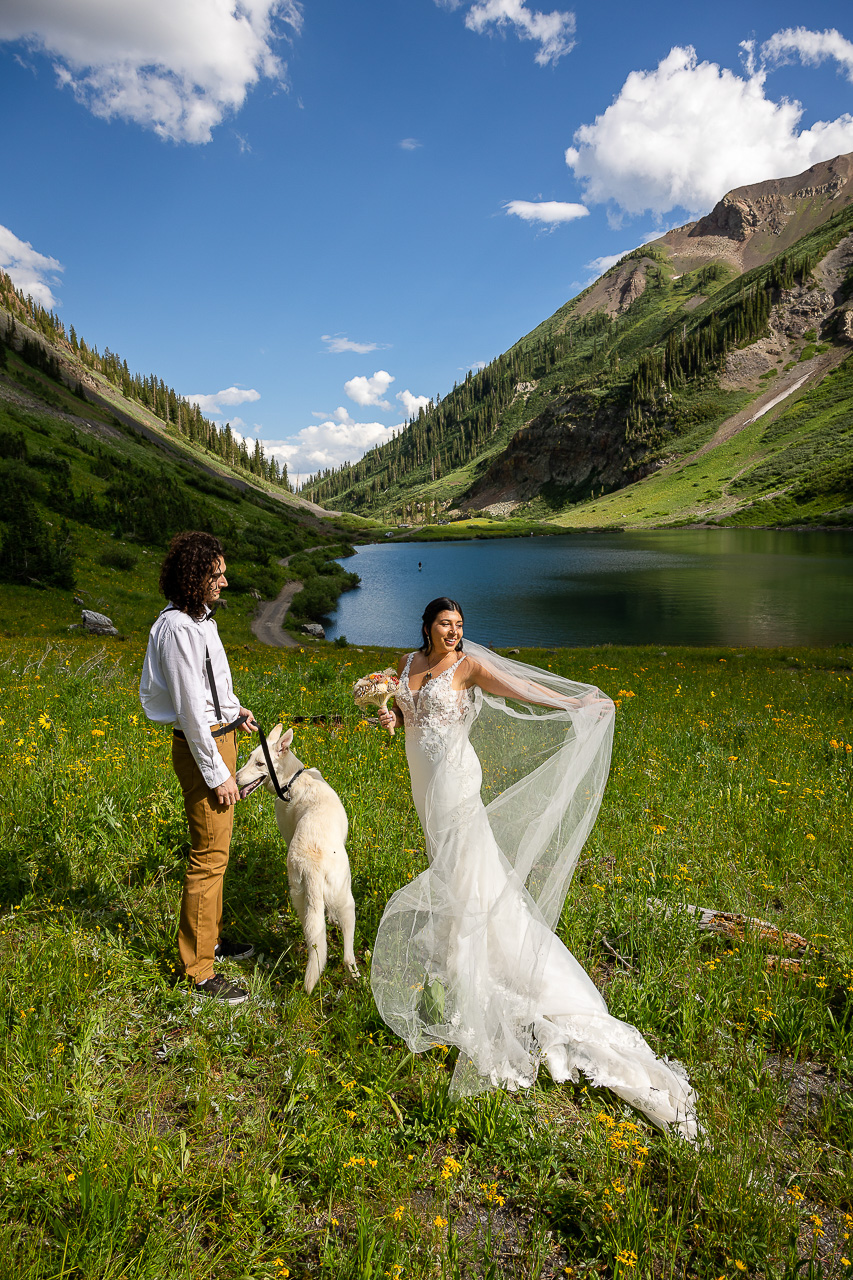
x,y
309,216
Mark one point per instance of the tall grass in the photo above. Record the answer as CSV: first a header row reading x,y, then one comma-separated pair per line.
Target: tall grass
x,y
148,1134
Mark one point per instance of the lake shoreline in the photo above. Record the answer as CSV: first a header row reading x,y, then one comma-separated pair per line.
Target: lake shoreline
x,y
563,530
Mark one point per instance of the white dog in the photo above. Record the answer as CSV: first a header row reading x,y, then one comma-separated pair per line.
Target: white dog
x,y
314,824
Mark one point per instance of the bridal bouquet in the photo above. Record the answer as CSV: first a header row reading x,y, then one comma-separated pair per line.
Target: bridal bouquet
x,y
376,690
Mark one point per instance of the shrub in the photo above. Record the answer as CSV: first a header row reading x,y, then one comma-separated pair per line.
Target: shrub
x,y
118,559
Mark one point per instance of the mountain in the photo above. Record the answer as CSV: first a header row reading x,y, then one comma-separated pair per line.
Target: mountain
x,y
713,342
99,467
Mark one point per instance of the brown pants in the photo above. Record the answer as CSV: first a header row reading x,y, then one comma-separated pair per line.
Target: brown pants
x,y
210,840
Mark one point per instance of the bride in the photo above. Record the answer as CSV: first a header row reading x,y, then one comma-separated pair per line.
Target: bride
x,y
466,953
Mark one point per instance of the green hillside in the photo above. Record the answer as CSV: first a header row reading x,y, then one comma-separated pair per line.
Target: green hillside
x,y
93,484
594,406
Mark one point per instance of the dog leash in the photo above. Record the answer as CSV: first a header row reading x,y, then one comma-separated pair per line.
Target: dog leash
x,y
282,792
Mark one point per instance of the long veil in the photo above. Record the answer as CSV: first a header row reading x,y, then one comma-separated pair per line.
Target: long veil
x,y
463,951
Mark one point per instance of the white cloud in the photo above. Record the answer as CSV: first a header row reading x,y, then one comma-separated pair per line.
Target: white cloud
x,y
411,403
684,134
553,32
409,144
328,444
30,271
551,212
367,391
174,68
812,48
218,403
337,342
598,266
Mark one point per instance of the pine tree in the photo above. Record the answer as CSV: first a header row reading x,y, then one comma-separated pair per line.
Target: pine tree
x,y
30,554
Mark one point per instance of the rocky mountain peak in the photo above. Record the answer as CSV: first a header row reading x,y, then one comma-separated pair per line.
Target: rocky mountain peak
x,y
751,224
768,206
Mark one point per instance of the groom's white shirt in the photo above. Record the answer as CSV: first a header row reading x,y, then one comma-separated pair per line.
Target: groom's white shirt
x,y
174,688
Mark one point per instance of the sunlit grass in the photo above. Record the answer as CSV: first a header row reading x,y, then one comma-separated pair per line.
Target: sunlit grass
x,y
146,1134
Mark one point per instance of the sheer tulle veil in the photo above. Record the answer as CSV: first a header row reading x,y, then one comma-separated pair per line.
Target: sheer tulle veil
x,y
544,771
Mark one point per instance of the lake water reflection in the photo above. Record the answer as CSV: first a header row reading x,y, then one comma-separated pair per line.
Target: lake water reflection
x,y
693,586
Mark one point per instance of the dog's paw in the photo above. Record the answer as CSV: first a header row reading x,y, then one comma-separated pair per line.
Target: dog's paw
x,y
354,972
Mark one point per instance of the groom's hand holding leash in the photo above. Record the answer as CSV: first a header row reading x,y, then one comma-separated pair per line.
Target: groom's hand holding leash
x,y
228,793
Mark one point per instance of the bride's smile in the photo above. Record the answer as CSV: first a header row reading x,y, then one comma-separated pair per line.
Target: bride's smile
x,y
446,632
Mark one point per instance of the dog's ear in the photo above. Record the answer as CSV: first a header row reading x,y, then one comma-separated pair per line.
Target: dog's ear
x,y
274,735
284,742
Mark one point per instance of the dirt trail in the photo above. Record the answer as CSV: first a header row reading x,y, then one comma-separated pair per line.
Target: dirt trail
x,y
268,622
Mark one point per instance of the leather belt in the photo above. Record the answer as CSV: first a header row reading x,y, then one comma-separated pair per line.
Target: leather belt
x,y
217,731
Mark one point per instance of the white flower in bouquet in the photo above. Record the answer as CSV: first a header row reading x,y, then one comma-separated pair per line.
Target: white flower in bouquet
x,y
376,690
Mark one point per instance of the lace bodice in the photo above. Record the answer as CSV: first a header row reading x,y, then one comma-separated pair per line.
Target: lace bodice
x,y
434,709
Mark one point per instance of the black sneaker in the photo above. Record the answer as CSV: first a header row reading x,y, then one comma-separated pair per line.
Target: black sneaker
x,y
219,988
227,950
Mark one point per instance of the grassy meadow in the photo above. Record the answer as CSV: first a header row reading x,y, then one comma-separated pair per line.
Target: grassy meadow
x,y
148,1134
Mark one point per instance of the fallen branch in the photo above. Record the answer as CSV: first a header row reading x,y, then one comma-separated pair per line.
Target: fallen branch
x,y
616,955
785,963
730,925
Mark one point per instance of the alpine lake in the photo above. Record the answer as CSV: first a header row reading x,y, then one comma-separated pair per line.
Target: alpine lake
x,y
730,587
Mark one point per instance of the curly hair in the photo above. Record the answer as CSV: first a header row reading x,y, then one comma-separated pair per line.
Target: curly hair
x,y
187,570
431,612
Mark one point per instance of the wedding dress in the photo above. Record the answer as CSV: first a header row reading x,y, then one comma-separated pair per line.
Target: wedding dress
x,y
466,952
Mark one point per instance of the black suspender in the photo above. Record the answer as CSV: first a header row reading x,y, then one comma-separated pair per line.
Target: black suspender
x,y
210,680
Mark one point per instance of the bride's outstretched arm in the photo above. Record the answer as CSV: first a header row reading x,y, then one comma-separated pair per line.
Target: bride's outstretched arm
x,y
504,686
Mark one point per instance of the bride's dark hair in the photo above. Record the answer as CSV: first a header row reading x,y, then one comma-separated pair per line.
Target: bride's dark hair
x,y
431,612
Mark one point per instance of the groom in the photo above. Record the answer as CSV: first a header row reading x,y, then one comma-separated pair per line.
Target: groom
x,y
186,682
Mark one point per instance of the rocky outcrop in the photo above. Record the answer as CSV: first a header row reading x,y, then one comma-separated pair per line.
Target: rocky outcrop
x,y
752,224
567,452
616,290
734,217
